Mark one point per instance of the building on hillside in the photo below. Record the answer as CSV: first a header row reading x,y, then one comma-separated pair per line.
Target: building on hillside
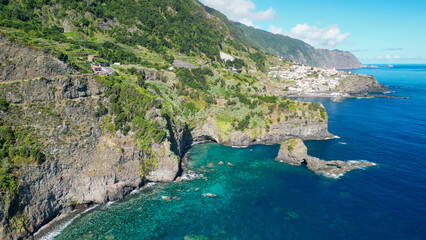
x,y
97,69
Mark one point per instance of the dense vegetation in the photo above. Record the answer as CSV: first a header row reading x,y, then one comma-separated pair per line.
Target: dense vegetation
x,y
158,25
236,63
195,78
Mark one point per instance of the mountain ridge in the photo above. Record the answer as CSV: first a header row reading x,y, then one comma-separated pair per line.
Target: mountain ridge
x,y
295,50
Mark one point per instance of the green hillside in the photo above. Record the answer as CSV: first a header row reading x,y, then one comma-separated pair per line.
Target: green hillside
x,y
276,44
101,26
289,48
295,50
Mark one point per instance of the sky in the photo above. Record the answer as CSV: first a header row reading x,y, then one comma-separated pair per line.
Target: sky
x,y
376,31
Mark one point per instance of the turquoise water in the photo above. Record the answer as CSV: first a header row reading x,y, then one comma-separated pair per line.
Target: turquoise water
x,y
258,198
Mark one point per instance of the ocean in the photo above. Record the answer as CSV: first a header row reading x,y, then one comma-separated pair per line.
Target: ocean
x,y
259,198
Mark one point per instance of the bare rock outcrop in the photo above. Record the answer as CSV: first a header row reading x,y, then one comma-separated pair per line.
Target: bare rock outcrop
x,y
294,152
358,84
278,133
18,62
85,164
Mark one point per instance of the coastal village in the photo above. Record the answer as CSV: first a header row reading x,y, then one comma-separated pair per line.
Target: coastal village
x,y
300,79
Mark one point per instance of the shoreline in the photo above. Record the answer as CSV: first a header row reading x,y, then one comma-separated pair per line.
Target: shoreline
x,y
54,227
337,97
59,223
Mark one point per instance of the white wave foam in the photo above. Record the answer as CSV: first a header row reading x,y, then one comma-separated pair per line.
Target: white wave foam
x,y
333,137
148,185
191,176
52,234
355,161
331,175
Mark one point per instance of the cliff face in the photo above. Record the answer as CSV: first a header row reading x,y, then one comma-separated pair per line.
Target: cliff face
x,y
84,164
278,133
19,62
335,59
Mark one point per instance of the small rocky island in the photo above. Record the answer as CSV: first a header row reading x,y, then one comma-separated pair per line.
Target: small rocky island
x,y
294,152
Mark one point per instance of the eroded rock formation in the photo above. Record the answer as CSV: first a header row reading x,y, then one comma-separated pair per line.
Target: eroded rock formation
x,y
294,152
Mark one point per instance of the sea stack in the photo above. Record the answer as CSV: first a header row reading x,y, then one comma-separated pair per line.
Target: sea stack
x,y
294,152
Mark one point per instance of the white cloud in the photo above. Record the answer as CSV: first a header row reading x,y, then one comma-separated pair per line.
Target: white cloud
x,y
247,22
276,30
388,57
393,49
243,11
392,57
319,37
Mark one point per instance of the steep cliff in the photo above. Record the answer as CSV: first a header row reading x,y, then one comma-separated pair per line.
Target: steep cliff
x,y
278,132
84,163
19,62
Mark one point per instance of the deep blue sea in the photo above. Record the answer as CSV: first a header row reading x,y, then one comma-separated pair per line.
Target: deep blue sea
x,y
262,199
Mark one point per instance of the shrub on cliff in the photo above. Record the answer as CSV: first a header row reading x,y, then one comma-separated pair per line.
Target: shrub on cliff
x,y
14,153
4,105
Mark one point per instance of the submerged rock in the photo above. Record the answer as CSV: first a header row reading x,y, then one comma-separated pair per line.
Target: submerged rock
x,y
166,198
209,195
293,215
220,163
230,164
195,237
210,165
294,152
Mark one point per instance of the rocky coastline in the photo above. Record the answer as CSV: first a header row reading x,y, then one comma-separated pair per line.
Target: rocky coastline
x,y
294,152
88,164
337,97
67,213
